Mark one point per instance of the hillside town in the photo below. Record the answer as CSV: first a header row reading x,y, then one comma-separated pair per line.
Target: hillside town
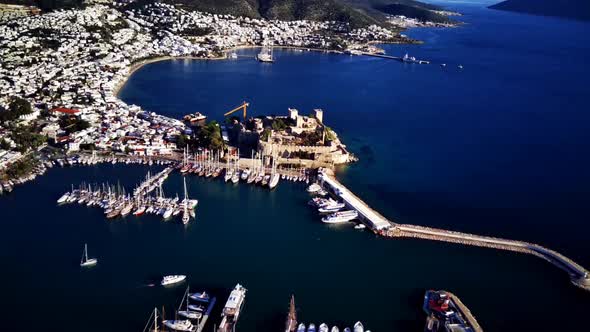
x,y
61,70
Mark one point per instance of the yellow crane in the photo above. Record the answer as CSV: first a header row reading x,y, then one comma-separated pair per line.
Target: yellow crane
x,y
244,106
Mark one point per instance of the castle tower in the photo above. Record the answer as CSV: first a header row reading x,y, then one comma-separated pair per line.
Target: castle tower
x,y
319,115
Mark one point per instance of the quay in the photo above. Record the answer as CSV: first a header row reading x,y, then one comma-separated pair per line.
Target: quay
x,y
446,312
384,227
203,320
397,58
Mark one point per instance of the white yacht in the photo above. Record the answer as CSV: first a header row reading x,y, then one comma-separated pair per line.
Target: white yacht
x,y
172,279
329,208
324,328
335,329
314,188
358,327
85,260
301,328
231,310
311,328
340,217
179,325
190,314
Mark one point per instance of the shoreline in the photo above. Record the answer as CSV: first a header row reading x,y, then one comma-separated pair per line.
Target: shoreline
x,y
137,65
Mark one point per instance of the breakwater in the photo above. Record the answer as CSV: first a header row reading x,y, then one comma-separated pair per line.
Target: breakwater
x,y
384,227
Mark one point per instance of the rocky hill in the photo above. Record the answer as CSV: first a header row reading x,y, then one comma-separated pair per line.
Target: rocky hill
x,y
357,12
576,9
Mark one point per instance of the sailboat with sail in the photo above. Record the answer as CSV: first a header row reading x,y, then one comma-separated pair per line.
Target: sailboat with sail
x,y
85,260
265,55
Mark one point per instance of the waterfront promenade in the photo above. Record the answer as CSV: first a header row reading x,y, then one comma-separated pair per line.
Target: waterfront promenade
x,y
384,227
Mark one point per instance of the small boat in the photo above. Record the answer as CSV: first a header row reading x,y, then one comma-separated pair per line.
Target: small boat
x,y
314,188
311,328
228,175
301,328
443,65
347,329
245,174
235,177
126,210
85,260
201,297
62,199
360,226
460,66
358,327
190,314
196,307
172,279
335,329
139,211
324,328
179,325
168,213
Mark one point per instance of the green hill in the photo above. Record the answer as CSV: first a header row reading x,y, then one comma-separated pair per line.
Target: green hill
x,y
576,9
358,12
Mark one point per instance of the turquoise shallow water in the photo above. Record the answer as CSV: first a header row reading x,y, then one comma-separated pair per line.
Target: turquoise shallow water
x,y
498,148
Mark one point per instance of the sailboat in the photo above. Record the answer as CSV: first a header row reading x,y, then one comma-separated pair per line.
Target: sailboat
x,y
185,212
85,260
265,55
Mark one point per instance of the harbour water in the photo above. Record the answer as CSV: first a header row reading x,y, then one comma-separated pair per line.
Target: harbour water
x,y
498,148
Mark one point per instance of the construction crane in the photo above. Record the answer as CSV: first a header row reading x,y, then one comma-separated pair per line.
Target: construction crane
x,y
244,106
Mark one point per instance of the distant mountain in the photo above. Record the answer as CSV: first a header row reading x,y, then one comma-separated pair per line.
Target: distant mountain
x,y
576,9
318,10
358,12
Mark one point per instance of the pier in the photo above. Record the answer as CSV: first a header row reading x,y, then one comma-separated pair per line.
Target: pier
x,y
384,227
397,58
203,320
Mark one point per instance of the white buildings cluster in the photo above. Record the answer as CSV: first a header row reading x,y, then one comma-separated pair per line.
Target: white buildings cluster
x,y
77,59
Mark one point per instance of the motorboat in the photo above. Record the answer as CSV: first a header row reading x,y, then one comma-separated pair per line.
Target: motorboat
x,y
179,325
324,328
201,297
301,327
358,327
190,314
340,217
311,328
172,279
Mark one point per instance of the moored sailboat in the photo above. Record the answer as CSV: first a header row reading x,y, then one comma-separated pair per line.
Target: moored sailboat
x,y
85,260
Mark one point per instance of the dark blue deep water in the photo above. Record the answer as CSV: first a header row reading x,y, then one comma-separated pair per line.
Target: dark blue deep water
x,y
498,148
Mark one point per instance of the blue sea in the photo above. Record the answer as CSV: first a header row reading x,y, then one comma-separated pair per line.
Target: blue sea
x,y
498,148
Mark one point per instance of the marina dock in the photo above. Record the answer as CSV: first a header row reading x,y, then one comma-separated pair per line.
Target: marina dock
x,y
203,320
384,227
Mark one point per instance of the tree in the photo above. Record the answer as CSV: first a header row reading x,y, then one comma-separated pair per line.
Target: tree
x,y
72,124
279,125
4,145
330,134
16,107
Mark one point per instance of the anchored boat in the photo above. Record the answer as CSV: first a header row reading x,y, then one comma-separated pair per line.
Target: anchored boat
x,y
85,260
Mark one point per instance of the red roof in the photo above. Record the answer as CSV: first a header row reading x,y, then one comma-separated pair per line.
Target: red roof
x,y
66,110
